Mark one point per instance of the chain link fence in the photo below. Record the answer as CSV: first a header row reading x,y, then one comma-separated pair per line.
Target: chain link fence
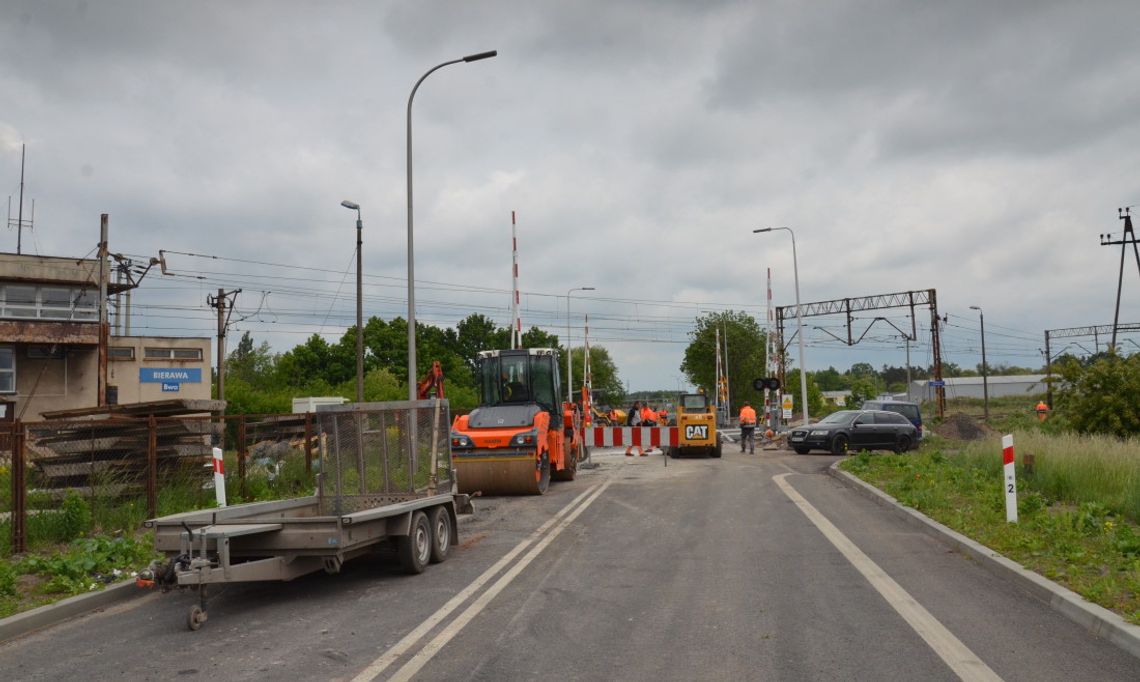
x,y
62,479
383,453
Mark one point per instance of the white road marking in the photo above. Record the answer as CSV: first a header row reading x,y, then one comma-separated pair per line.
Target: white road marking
x,y
412,638
453,628
949,648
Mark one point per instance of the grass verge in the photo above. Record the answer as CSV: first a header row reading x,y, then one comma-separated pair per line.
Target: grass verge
x,y
1077,520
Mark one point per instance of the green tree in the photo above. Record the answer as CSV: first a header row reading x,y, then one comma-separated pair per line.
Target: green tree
x,y
745,358
603,374
830,379
815,395
536,338
1103,397
477,333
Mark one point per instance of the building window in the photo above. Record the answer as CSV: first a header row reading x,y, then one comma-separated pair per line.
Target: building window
x,y
27,301
7,370
121,353
45,351
172,353
19,301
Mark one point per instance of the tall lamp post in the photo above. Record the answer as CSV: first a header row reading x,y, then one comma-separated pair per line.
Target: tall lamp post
x,y
411,251
985,369
799,317
569,364
359,303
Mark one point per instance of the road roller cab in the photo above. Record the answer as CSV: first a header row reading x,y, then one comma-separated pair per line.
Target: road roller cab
x,y
522,434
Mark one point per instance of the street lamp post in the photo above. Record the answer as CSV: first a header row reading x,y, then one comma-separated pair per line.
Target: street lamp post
x,y
359,303
569,364
411,251
799,317
985,369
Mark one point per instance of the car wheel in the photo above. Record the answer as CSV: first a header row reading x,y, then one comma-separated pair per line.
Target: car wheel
x,y
903,444
839,445
801,451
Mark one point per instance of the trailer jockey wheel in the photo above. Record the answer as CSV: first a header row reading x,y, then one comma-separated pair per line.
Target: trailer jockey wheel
x,y
196,617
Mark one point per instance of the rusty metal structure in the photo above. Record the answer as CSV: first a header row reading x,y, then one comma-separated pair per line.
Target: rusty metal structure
x,y
848,306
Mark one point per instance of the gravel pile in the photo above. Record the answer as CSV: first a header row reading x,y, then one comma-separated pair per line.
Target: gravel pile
x,y
960,426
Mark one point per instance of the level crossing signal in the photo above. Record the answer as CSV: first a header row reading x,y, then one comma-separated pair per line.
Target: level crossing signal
x,y
770,383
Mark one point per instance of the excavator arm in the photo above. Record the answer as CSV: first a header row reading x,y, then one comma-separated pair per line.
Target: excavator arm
x,y
432,383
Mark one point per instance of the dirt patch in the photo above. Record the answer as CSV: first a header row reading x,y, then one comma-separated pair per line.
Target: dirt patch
x,y
473,540
961,426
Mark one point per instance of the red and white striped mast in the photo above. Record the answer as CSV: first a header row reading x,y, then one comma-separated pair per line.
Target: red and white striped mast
x,y
516,321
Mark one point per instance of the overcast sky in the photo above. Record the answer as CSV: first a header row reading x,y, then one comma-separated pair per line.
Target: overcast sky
x,y
975,148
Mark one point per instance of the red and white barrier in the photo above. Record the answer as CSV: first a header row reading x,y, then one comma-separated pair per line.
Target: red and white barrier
x,y
642,436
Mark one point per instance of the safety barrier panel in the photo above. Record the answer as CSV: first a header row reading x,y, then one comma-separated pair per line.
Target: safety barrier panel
x,y
617,436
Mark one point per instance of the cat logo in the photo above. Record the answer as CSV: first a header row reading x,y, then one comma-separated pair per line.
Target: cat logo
x,y
696,431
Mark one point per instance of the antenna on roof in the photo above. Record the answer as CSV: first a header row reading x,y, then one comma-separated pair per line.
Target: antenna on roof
x,y
19,223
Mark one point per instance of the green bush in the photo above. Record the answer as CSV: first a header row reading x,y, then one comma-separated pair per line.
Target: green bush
x,y
7,580
75,516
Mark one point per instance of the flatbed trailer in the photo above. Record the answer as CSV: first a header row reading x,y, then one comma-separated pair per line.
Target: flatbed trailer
x,y
386,479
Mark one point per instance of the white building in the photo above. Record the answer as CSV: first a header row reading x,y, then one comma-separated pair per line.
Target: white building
x,y
1027,385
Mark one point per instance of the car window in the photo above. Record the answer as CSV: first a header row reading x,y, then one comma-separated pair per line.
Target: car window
x,y
891,418
841,417
865,419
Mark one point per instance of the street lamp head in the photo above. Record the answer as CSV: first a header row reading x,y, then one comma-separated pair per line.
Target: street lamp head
x,y
762,229
974,307
350,205
587,288
481,55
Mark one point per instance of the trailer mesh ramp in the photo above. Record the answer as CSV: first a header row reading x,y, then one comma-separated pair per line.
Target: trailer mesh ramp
x,y
374,454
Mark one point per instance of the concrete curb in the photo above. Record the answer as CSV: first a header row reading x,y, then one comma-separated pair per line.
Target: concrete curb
x,y
51,614
1096,619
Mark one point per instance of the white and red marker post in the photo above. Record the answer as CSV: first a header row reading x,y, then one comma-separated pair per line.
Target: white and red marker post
x,y
219,477
1010,478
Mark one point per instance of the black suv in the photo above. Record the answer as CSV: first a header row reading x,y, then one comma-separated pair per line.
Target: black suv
x,y
846,430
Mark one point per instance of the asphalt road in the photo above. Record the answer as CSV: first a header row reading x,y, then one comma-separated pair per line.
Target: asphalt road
x,y
747,567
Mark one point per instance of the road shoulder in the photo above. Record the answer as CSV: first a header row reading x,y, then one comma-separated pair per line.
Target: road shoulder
x,y
1094,618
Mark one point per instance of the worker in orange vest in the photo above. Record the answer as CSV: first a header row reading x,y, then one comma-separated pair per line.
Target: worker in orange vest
x,y
634,419
1042,410
748,428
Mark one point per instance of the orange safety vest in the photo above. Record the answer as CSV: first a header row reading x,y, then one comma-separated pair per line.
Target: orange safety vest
x,y
1042,407
648,415
747,416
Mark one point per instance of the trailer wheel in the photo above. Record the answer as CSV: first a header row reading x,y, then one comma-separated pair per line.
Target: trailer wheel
x,y
196,617
441,534
415,547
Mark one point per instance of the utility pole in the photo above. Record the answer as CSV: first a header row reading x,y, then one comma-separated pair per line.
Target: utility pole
x,y
104,328
1128,237
223,301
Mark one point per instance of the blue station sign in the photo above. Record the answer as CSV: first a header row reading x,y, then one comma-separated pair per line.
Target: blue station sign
x,y
170,375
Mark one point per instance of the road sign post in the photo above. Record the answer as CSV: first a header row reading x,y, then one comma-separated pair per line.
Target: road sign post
x,y
1010,478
